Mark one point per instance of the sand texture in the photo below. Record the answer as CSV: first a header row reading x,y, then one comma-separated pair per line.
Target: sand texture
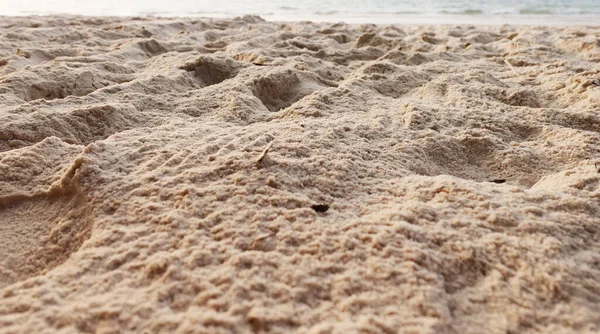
x,y
166,176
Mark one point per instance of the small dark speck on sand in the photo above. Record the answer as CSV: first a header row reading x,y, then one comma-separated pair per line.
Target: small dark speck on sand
x,y
498,181
320,207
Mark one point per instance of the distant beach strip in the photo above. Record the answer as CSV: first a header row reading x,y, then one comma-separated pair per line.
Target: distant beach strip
x,y
531,12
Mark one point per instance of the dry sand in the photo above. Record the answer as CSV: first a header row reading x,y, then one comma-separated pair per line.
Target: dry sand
x,y
158,175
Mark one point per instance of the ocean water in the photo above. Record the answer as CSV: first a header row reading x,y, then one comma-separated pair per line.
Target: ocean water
x,y
320,10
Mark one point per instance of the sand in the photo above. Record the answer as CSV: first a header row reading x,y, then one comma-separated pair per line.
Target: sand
x,y
243,176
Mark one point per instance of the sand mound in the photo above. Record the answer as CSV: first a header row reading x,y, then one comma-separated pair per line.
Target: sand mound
x,y
40,233
196,175
44,218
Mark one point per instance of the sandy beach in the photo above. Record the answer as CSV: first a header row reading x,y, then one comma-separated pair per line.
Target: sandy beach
x,y
187,175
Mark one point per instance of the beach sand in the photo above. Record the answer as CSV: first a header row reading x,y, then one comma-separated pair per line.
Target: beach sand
x,y
244,176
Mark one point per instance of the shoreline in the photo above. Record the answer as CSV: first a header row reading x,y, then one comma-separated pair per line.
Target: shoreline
x,y
529,20
401,19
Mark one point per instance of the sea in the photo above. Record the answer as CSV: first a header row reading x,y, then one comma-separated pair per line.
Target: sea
x,y
547,12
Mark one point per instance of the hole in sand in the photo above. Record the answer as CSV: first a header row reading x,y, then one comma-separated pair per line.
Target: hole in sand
x,y
40,233
522,98
280,90
481,159
211,71
486,152
151,47
63,86
79,126
391,80
47,91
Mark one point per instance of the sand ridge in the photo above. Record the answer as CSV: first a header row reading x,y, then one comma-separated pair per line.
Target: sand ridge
x,y
159,175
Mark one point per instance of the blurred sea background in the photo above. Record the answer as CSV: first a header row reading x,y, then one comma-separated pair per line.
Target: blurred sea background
x,y
357,11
